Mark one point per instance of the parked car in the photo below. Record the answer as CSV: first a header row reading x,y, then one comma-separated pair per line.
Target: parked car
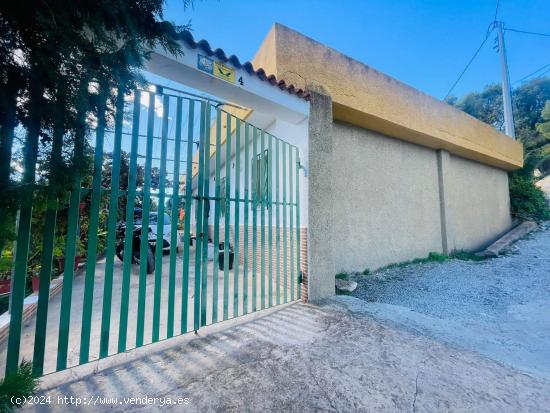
x,y
152,238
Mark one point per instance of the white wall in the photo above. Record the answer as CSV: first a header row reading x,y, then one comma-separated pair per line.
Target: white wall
x,y
287,133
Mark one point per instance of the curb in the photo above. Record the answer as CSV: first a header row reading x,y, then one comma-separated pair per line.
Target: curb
x,y
519,231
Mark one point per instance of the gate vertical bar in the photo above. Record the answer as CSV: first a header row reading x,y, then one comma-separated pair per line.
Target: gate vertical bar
x,y
270,216
236,216
187,219
144,241
198,223
254,217
217,194
111,228
277,223
246,210
262,218
44,289
285,268
206,213
92,235
174,222
24,227
129,228
227,218
291,223
68,272
298,245
46,261
159,244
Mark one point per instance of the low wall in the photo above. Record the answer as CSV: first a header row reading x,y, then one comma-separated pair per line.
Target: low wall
x,y
377,200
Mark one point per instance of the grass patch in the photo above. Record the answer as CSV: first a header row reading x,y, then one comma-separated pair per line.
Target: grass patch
x,y
20,384
432,257
342,275
437,258
467,256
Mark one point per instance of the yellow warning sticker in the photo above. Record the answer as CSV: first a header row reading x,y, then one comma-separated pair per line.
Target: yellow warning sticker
x,y
224,72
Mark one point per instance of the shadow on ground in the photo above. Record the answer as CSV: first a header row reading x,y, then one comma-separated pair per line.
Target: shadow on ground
x,y
300,358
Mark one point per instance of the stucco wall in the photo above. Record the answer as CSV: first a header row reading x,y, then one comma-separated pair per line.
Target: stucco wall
x,y
386,199
479,203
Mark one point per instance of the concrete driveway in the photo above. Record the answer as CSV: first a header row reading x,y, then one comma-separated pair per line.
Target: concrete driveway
x,y
298,357
27,340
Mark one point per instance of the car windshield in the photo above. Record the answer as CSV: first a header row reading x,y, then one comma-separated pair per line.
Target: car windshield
x,y
153,219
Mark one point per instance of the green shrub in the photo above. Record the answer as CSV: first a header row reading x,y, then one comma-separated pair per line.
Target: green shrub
x,y
342,275
17,385
366,271
527,200
437,257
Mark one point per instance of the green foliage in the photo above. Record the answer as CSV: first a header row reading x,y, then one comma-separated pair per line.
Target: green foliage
x,y
6,262
366,271
531,117
342,275
531,106
20,384
60,63
467,256
527,200
432,257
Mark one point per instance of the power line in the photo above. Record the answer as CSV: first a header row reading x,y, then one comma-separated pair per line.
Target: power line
x,y
469,62
527,32
533,73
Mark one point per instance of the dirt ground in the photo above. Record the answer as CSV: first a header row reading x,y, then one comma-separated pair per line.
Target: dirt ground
x,y
498,307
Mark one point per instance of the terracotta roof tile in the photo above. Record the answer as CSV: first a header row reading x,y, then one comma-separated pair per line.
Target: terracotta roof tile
x,y
220,54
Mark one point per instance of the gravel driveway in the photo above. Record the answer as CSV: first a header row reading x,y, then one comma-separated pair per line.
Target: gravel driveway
x,y
498,307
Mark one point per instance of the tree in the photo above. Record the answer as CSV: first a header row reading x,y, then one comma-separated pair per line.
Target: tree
x,y
532,121
59,62
528,103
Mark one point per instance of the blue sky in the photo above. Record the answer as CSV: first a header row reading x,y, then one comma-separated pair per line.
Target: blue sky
x,y
424,43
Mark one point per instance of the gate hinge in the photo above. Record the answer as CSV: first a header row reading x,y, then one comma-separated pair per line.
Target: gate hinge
x,y
300,277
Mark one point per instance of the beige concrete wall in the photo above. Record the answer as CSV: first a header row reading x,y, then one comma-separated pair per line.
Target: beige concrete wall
x,y
395,201
386,199
368,98
479,203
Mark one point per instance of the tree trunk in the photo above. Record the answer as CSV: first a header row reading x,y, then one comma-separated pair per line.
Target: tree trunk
x,y
8,120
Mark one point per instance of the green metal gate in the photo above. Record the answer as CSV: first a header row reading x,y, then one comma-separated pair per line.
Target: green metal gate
x,y
207,187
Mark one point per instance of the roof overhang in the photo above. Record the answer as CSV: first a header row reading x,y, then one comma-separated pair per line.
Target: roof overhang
x,y
247,89
367,98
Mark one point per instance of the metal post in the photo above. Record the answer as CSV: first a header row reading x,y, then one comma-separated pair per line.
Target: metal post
x,y
506,94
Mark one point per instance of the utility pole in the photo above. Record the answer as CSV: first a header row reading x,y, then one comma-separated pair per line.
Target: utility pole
x,y
506,94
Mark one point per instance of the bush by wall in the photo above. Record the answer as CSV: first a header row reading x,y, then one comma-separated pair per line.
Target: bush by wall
x,y
527,200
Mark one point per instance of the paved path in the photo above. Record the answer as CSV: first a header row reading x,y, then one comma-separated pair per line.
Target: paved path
x,y
499,307
27,343
303,358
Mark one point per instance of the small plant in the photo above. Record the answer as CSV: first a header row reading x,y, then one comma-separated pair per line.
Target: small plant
x,y
366,271
437,257
342,275
467,256
18,385
6,263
